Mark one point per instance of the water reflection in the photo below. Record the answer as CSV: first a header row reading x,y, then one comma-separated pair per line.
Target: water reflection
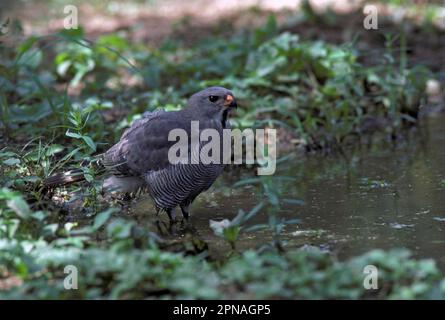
x,y
378,197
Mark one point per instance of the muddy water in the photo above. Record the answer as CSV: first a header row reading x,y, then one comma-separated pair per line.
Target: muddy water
x,y
383,196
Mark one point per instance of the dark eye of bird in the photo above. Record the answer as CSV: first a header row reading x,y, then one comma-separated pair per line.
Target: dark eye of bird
x,y
213,98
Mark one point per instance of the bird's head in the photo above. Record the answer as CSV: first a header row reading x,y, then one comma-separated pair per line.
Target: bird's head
x,y
214,102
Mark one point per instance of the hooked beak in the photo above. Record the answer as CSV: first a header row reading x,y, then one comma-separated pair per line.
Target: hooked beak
x,y
229,101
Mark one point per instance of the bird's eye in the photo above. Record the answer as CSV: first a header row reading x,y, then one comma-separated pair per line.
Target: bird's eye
x,y
213,98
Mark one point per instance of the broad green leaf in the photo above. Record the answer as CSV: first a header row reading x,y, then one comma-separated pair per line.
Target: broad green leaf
x,y
19,206
73,134
89,142
102,217
11,161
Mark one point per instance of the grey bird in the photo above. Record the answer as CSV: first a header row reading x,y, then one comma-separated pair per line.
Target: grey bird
x,y
140,159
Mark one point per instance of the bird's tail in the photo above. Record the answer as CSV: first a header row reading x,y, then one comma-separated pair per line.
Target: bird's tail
x,y
71,176
62,179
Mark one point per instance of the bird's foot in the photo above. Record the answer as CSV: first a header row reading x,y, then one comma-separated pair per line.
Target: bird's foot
x,y
185,212
171,215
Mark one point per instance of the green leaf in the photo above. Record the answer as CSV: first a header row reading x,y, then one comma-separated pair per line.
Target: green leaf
x,y
72,34
88,177
31,59
73,135
11,161
25,46
53,149
50,229
120,229
19,206
29,113
102,217
63,67
89,142
231,233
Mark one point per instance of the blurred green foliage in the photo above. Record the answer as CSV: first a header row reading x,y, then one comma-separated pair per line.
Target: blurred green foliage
x,y
130,265
134,267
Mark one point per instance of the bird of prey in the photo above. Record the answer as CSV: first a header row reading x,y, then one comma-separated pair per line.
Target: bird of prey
x,y
141,157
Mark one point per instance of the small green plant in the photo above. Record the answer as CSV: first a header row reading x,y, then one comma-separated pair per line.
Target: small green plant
x,y
271,188
78,57
79,120
230,230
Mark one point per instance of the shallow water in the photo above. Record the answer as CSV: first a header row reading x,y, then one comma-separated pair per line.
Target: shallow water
x,y
383,196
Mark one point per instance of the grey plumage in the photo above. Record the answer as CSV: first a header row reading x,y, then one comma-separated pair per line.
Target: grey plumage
x,y
140,158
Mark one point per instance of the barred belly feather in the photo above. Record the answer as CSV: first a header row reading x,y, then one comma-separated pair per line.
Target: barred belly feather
x,y
180,184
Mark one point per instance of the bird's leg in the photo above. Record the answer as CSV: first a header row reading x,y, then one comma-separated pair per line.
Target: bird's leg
x,y
171,214
185,211
159,222
172,225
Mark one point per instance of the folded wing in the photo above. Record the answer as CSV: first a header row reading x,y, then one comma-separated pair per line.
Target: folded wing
x,y
143,147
